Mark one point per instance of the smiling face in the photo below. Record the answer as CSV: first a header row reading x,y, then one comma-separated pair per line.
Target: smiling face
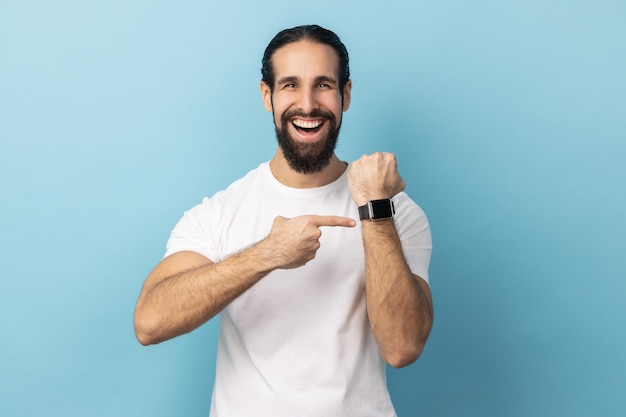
x,y
307,103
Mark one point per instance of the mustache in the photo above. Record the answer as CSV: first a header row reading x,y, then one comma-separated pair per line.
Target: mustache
x,y
315,113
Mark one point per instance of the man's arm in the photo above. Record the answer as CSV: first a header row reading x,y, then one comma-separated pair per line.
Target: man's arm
x,y
399,303
186,289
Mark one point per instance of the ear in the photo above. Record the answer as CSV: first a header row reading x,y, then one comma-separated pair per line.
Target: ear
x,y
347,91
266,96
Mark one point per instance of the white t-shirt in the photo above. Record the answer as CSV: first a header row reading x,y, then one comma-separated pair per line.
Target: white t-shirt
x,y
297,343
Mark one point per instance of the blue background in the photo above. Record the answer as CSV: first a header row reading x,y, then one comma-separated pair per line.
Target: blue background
x,y
508,119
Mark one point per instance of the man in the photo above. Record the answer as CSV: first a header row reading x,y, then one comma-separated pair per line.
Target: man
x,y
312,302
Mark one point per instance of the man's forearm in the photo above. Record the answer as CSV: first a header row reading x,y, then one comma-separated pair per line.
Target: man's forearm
x,y
181,302
399,305
186,289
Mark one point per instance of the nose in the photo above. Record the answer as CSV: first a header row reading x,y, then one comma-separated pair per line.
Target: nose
x,y
307,100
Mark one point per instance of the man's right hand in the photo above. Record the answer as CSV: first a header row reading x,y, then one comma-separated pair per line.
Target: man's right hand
x,y
186,289
294,241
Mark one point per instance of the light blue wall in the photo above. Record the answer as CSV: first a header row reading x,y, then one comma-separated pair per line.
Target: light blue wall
x,y
509,123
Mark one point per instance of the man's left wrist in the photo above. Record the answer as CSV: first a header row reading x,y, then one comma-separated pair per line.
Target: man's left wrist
x,y
376,210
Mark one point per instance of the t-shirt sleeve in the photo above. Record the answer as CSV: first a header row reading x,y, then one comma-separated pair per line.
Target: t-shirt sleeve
x,y
193,232
414,231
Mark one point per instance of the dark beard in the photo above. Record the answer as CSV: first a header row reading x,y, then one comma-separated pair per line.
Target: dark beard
x,y
307,158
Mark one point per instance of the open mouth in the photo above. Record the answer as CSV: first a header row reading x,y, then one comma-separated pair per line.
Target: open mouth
x,y
307,126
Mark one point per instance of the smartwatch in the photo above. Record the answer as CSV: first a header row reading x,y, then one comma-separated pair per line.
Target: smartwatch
x,y
377,210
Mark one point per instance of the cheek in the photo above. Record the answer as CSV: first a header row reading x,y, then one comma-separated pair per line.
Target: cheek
x,y
335,104
278,109
277,120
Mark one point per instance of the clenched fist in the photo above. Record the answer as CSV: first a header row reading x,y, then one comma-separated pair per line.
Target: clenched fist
x,y
375,176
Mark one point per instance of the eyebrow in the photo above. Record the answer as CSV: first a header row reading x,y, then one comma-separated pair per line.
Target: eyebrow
x,y
323,78
288,80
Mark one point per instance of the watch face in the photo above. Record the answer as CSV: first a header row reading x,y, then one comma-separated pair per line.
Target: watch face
x,y
382,209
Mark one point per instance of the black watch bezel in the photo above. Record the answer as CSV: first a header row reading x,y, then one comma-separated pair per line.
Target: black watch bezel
x,y
377,210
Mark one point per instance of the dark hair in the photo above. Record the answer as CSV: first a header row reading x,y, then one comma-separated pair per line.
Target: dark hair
x,y
313,33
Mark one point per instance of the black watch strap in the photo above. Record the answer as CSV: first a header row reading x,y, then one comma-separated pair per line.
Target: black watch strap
x,y
364,212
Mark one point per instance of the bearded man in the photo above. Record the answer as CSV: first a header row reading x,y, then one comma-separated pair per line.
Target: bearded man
x,y
308,319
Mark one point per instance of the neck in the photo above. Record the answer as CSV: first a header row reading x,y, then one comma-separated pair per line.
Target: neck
x,y
287,176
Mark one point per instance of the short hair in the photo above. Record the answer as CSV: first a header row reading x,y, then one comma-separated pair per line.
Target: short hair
x,y
313,33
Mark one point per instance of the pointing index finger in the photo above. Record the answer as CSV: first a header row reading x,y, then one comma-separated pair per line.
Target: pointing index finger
x,y
333,221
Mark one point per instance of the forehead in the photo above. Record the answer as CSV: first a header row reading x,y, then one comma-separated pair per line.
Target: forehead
x,y
305,59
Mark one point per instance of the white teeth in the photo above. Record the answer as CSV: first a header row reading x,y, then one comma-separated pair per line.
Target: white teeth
x,y
306,124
